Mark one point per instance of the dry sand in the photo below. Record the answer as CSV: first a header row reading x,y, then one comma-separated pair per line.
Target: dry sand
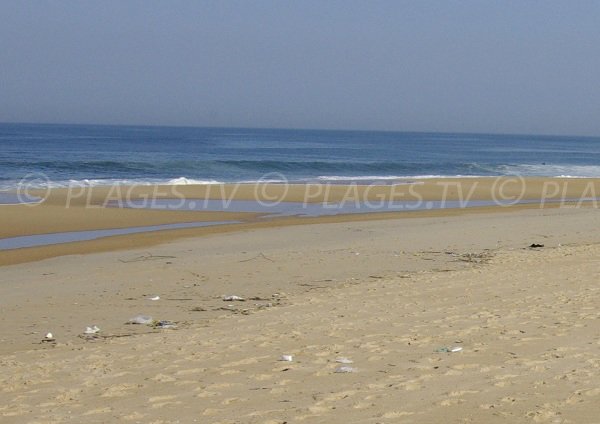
x,y
385,293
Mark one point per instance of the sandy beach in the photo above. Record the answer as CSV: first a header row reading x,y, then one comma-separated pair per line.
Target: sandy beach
x,y
438,316
84,208
235,212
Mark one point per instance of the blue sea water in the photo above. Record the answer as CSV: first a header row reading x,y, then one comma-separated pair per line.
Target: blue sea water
x,y
59,155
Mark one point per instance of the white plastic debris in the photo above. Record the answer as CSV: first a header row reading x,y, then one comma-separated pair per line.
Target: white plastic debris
x,y
49,336
344,360
166,324
286,358
154,298
345,369
141,319
456,349
91,330
233,298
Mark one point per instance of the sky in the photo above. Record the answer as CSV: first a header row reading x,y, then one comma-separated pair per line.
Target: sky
x,y
501,66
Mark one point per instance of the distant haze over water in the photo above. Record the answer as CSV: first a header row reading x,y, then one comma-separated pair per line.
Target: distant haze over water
x,y
96,155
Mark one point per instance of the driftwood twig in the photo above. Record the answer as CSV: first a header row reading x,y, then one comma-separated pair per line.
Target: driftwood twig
x,y
260,255
148,257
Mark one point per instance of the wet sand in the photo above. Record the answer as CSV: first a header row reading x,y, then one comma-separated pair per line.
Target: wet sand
x,y
390,294
82,209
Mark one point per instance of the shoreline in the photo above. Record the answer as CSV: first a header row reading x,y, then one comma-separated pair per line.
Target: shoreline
x,y
455,188
84,210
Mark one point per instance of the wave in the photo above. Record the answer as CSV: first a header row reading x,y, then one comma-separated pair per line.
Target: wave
x,y
42,183
286,172
551,170
242,169
190,181
79,165
162,167
389,177
39,181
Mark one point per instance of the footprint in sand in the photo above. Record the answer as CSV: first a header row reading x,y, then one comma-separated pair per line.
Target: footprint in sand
x,y
462,392
211,411
229,401
161,401
261,377
97,411
505,380
135,416
247,361
333,397
207,394
397,414
363,405
119,390
162,378
191,371
451,402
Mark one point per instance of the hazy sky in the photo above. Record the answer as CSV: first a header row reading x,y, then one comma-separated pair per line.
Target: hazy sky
x,y
473,66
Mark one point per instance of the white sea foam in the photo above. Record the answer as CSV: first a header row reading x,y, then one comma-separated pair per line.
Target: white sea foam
x,y
263,181
358,178
44,183
525,170
190,181
560,171
389,177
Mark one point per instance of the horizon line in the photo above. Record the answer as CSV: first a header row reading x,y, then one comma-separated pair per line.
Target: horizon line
x,y
302,129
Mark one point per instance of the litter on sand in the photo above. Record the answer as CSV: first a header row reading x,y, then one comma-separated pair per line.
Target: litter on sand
x,y
345,369
140,319
49,337
344,360
165,324
154,298
448,349
286,358
233,298
91,330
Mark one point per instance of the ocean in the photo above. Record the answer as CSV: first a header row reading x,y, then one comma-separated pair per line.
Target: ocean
x,y
62,155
